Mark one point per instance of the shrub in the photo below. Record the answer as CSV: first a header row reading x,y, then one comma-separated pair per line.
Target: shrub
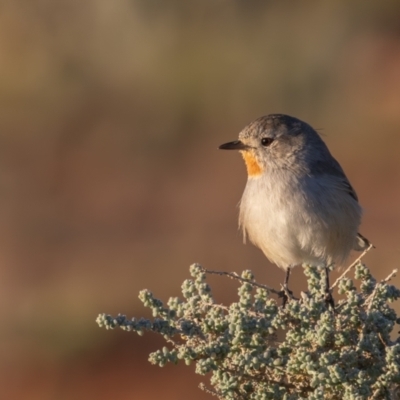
x,y
256,349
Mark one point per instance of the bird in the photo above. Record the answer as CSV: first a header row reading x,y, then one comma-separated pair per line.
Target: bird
x,y
298,206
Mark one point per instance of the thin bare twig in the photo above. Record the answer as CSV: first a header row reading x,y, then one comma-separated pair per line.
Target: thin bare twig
x,y
390,276
369,302
375,394
352,265
234,275
381,339
371,297
202,386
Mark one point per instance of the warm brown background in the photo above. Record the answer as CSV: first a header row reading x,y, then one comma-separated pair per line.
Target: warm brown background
x,y
110,117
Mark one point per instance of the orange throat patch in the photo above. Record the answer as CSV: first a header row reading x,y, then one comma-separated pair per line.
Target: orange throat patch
x,y
253,167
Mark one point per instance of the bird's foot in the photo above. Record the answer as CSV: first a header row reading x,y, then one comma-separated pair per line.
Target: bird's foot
x,y
285,294
329,300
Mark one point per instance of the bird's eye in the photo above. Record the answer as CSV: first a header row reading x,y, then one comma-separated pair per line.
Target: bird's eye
x,y
266,141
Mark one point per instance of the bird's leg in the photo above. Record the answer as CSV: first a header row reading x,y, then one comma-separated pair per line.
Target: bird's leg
x,y
287,276
328,295
285,290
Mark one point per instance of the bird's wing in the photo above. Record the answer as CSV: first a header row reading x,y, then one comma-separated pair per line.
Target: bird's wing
x,y
349,189
331,168
361,243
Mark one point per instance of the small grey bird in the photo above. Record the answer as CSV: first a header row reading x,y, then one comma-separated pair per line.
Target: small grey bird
x,y
298,206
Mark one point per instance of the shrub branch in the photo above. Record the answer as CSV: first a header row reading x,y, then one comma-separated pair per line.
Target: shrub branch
x,y
253,349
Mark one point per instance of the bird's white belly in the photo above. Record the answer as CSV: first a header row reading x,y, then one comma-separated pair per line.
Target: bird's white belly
x,y
276,234
287,228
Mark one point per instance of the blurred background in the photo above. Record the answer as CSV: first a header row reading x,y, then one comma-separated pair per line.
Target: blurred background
x,y
111,113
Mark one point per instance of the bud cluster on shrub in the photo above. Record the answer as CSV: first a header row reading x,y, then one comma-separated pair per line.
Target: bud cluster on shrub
x,y
255,349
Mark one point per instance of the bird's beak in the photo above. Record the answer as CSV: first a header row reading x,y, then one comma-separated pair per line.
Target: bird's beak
x,y
236,145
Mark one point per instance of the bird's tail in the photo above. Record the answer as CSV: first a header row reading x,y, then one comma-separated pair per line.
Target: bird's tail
x,y
361,243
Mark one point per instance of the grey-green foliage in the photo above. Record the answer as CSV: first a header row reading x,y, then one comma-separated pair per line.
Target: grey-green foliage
x,y
255,349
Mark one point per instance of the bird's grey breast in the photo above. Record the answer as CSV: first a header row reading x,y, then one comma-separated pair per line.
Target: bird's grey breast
x,y
296,218
268,214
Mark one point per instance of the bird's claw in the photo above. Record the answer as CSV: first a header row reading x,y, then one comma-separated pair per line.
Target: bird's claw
x,y
285,294
329,300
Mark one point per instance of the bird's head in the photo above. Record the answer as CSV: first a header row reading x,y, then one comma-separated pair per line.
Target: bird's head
x,y
274,141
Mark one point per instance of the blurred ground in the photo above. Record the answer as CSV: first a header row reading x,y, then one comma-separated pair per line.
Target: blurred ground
x,y
110,118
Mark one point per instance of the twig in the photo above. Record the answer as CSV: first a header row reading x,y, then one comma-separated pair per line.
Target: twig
x,y
202,386
381,339
375,394
390,276
352,265
234,275
261,375
368,300
222,307
371,297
